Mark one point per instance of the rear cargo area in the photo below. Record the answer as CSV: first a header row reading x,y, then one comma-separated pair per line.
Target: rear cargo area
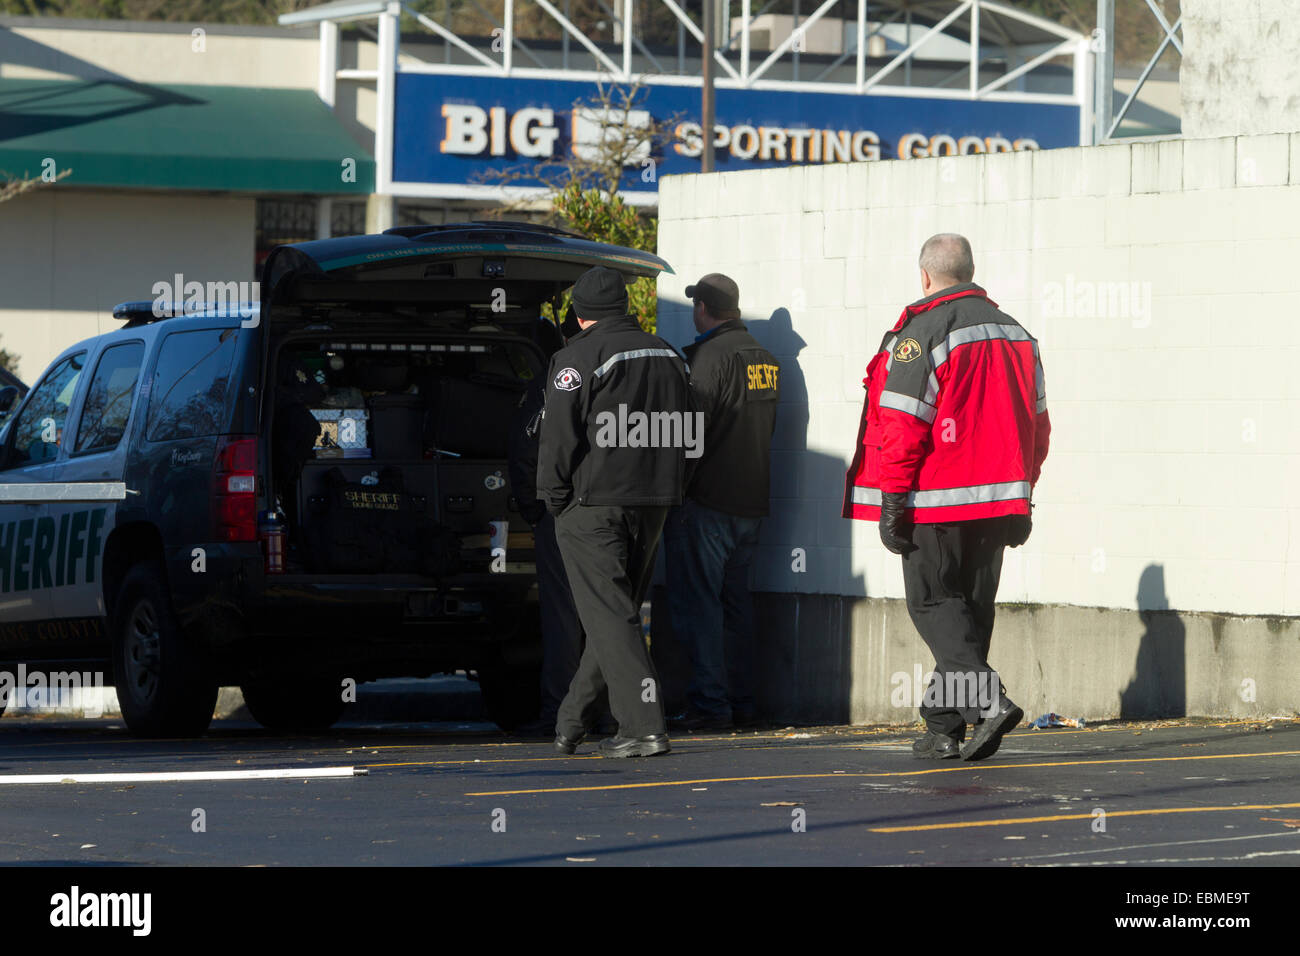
x,y
389,454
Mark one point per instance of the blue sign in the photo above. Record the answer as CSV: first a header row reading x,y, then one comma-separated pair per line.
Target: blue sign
x,y
455,129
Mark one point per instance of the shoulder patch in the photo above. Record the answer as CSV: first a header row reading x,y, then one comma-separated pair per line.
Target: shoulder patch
x,y
907,350
568,379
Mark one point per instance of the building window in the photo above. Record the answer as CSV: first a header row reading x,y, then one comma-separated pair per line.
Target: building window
x,y
282,221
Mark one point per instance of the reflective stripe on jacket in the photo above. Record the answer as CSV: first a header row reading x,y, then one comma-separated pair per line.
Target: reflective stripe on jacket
x,y
617,420
955,414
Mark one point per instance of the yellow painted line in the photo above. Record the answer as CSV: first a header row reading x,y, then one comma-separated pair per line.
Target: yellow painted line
x,y
556,756
1071,732
1081,816
967,768
671,783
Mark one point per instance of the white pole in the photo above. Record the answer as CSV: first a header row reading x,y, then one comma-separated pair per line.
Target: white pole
x,y
1083,66
507,54
974,49
744,43
627,41
385,99
329,61
862,43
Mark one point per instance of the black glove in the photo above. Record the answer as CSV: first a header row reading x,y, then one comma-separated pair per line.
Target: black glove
x,y
1018,528
533,511
895,529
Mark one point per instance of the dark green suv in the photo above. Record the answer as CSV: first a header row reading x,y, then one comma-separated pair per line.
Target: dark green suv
x,y
317,484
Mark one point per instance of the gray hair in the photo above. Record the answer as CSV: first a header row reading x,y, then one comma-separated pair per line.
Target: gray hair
x,y
948,256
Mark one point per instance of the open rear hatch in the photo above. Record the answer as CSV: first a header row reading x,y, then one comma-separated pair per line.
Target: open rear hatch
x,y
432,269
395,366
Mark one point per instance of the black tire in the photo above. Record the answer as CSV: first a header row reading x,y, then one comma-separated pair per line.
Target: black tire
x,y
294,703
163,683
511,691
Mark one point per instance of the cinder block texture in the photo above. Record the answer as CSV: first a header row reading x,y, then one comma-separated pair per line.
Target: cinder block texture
x,y
1239,68
1159,282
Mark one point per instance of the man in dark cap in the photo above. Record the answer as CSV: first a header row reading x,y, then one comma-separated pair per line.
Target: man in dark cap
x,y
710,539
616,430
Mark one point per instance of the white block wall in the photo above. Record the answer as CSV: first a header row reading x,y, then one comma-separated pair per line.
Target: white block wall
x,y
1238,71
1161,282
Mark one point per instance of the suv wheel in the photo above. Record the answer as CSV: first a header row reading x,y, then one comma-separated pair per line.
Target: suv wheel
x,y
163,686
294,703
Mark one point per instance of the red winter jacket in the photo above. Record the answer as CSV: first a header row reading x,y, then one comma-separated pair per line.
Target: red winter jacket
x,y
955,415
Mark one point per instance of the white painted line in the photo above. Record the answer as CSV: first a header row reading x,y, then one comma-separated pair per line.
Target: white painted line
x,y
182,776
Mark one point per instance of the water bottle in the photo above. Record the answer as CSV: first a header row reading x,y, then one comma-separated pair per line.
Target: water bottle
x,y
271,532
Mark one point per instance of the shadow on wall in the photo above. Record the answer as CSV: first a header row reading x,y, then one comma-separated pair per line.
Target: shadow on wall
x,y
803,625
19,50
1159,684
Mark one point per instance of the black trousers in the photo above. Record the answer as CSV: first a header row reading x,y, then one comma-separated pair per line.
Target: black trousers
x,y
562,638
609,555
951,581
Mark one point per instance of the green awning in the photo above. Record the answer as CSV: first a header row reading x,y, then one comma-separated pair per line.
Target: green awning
x,y
151,136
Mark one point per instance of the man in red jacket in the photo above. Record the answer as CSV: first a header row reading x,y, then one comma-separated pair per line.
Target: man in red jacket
x,y
953,436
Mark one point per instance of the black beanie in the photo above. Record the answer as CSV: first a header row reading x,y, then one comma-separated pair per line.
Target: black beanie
x,y
600,293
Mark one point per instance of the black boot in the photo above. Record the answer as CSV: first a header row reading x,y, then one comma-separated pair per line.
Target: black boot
x,y
634,746
988,732
936,747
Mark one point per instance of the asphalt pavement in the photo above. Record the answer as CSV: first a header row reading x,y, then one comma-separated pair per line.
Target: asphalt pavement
x,y
1175,793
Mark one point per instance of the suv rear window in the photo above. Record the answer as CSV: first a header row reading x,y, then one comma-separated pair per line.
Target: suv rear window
x,y
191,394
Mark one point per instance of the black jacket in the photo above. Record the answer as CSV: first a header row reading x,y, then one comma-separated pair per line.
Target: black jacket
x,y
736,384
617,421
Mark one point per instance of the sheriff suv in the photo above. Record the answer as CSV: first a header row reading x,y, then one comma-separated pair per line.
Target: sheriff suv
x,y
317,488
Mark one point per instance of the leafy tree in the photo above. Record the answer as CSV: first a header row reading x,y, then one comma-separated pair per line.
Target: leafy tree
x,y
583,190
605,217
8,361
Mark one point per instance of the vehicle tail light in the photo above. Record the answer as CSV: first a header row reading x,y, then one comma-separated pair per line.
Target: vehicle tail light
x,y
234,487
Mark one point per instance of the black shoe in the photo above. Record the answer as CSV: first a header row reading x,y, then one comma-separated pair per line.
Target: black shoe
x,y
566,745
988,732
634,746
692,721
936,747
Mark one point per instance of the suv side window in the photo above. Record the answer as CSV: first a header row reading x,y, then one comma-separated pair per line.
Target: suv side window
x,y
191,394
108,402
38,430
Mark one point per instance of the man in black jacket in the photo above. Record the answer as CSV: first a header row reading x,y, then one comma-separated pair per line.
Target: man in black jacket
x,y
561,629
710,539
615,434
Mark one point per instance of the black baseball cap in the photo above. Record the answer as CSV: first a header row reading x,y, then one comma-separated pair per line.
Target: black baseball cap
x,y
720,293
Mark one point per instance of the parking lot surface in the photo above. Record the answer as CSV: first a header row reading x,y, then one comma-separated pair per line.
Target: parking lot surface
x,y
1172,793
